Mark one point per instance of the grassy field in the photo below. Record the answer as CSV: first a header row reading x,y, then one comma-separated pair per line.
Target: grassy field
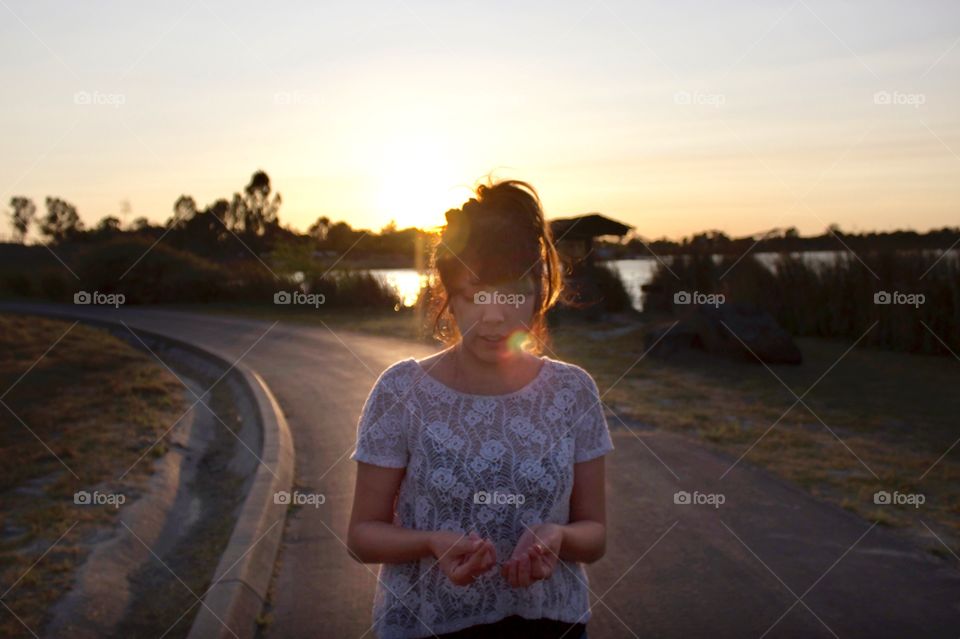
x,y
877,420
95,403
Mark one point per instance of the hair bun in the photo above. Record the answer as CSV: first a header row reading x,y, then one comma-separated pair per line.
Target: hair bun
x,y
470,204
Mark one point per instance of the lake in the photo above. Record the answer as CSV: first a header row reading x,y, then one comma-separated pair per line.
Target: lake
x,y
634,273
407,281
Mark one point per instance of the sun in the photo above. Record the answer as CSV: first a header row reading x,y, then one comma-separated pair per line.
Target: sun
x,y
417,181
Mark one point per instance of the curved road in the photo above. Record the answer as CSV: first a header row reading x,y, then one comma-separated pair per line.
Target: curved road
x,y
771,561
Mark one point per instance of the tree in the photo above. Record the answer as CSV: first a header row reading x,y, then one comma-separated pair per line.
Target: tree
x,y
184,209
61,222
109,225
22,216
106,228
341,237
254,212
319,229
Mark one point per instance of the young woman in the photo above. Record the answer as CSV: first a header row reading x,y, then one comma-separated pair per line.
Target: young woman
x,y
480,475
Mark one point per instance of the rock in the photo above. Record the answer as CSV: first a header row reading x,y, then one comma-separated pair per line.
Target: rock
x,y
741,330
666,341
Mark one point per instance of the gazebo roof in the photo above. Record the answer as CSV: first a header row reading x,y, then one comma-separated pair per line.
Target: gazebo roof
x,y
583,227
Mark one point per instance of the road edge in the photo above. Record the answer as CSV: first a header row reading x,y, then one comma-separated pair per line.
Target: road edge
x,y
232,605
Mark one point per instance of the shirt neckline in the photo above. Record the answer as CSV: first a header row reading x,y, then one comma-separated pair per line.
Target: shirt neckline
x,y
526,387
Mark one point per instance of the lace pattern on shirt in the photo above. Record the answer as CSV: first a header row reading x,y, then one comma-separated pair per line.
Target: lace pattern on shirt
x,y
491,464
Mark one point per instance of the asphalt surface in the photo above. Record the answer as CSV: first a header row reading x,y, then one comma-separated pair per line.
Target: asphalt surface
x,y
771,561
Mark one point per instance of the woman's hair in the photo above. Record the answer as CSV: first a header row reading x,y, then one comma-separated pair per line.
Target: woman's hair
x,y
500,236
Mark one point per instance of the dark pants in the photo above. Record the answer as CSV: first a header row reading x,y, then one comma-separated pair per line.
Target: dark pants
x,y
516,627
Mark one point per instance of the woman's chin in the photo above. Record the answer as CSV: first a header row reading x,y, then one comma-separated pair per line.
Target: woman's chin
x,y
490,352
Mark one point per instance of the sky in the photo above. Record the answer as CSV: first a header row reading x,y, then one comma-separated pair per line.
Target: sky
x,y
674,117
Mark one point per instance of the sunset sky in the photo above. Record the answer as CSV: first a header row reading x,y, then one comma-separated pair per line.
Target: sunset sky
x,y
675,118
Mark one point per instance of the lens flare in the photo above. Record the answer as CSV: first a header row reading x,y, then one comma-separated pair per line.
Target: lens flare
x,y
517,341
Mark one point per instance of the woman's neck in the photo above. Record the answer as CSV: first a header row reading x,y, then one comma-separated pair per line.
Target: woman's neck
x,y
490,378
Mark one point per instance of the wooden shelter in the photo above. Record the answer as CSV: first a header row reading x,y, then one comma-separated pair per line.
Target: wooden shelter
x,y
574,235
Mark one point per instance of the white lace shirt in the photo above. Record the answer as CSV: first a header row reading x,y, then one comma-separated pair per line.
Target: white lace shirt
x,y
485,463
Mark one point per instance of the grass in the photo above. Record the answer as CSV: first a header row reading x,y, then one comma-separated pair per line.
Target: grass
x,y
98,404
162,599
887,418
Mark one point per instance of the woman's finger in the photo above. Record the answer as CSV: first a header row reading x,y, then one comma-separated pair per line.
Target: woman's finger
x,y
512,574
538,568
476,560
523,571
491,557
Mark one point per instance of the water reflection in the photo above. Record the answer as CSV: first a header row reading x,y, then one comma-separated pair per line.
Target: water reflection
x,y
634,273
405,281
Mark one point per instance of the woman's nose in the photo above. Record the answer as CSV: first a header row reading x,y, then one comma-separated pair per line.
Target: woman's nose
x,y
492,312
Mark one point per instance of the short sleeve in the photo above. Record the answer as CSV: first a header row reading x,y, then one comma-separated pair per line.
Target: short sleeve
x,y
591,432
382,427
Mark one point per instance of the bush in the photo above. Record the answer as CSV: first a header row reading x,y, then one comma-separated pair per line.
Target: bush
x,y
251,281
833,298
16,285
613,293
352,289
146,275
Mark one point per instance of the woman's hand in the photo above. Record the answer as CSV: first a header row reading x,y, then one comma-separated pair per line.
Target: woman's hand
x,y
462,558
535,556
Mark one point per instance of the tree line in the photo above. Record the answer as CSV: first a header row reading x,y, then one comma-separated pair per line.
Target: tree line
x,y
248,221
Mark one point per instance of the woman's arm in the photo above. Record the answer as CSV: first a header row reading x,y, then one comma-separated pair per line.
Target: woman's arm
x,y
585,537
372,536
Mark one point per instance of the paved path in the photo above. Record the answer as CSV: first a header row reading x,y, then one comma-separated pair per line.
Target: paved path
x,y
771,561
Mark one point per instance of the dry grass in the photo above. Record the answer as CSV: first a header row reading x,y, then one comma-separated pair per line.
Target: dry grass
x,y
98,404
892,416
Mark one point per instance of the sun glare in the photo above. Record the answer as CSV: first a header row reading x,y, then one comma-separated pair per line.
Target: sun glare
x,y
418,182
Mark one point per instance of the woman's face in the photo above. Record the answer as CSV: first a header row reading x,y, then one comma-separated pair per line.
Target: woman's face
x,y
494,320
